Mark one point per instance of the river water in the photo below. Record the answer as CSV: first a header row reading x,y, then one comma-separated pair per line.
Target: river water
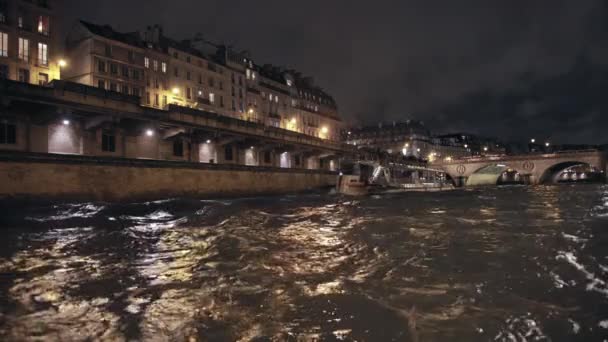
x,y
501,264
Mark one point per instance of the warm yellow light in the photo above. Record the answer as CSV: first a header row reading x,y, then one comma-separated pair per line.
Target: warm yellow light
x,y
176,91
324,130
293,121
250,110
407,145
62,63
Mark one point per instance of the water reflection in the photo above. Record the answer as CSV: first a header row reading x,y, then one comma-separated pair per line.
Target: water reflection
x,y
508,264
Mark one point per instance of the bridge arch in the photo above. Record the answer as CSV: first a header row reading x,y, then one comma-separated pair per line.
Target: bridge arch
x,y
495,174
551,174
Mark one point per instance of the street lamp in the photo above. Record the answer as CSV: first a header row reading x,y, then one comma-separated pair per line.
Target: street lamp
x,y
547,144
149,132
533,140
62,63
66,122
175,91
485,149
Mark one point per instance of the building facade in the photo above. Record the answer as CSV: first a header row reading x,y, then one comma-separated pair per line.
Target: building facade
x,y
200,75
28,41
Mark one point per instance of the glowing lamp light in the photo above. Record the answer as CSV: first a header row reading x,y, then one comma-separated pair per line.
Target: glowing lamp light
x,y
66,122
252,147
149,132
250,110
417,150
293,121
62,63
208,141
547,144
175,91
324,130
533,140
466,146
485,149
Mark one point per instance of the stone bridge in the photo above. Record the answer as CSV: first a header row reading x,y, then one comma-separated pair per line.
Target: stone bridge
x,y
532,168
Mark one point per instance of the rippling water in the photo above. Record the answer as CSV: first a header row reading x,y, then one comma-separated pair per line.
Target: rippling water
x,y
504,264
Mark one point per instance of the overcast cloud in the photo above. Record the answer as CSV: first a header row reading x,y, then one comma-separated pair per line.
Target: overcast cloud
x,y
511,69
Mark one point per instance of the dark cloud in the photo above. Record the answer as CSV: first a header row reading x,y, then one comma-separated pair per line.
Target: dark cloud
x,y
511,69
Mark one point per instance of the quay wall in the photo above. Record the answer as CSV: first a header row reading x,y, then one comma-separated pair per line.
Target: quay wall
x,y
53,177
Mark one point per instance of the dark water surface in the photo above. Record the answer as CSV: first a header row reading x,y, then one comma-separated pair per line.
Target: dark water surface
x,y
504,264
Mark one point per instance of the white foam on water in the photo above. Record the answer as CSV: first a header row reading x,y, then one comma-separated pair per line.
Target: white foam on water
x,y
86,210
596,284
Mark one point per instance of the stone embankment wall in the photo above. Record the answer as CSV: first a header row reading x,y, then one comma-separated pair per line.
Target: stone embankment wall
x,y
30,176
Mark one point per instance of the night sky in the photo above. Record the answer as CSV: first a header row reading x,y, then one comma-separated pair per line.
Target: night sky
x,y
510,69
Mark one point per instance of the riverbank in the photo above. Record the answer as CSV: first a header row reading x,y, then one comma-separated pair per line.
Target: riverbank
x,y
27,176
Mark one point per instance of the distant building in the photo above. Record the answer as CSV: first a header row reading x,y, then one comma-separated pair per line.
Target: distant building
x,y
200,75
28,41
409,139
474,144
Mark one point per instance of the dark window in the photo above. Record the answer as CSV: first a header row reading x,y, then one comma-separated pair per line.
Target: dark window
x,y
221,85
24,75
113,68
113,87
211,82
188,59
101,66
221,101
188,75
8,133
125,71
101,84
108,142
43,79
267,157
135,91
131,56
178,148
189,93
228,152
108,50
176,72
3,71
175,55
298,160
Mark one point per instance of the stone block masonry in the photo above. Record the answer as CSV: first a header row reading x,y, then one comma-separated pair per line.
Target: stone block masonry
x,y
56,177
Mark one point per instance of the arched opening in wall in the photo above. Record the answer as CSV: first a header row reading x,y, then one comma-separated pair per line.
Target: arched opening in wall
x,y
449,180
510,177
572,172
495,174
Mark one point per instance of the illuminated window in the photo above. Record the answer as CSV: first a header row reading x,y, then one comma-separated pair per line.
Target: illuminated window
x,y
3,44
248,74
43,54
8,133
164,67
147,62
24,49
43,25
212,98
20,22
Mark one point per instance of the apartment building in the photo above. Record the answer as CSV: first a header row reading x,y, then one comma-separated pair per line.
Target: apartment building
x,y
199,75
28,49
